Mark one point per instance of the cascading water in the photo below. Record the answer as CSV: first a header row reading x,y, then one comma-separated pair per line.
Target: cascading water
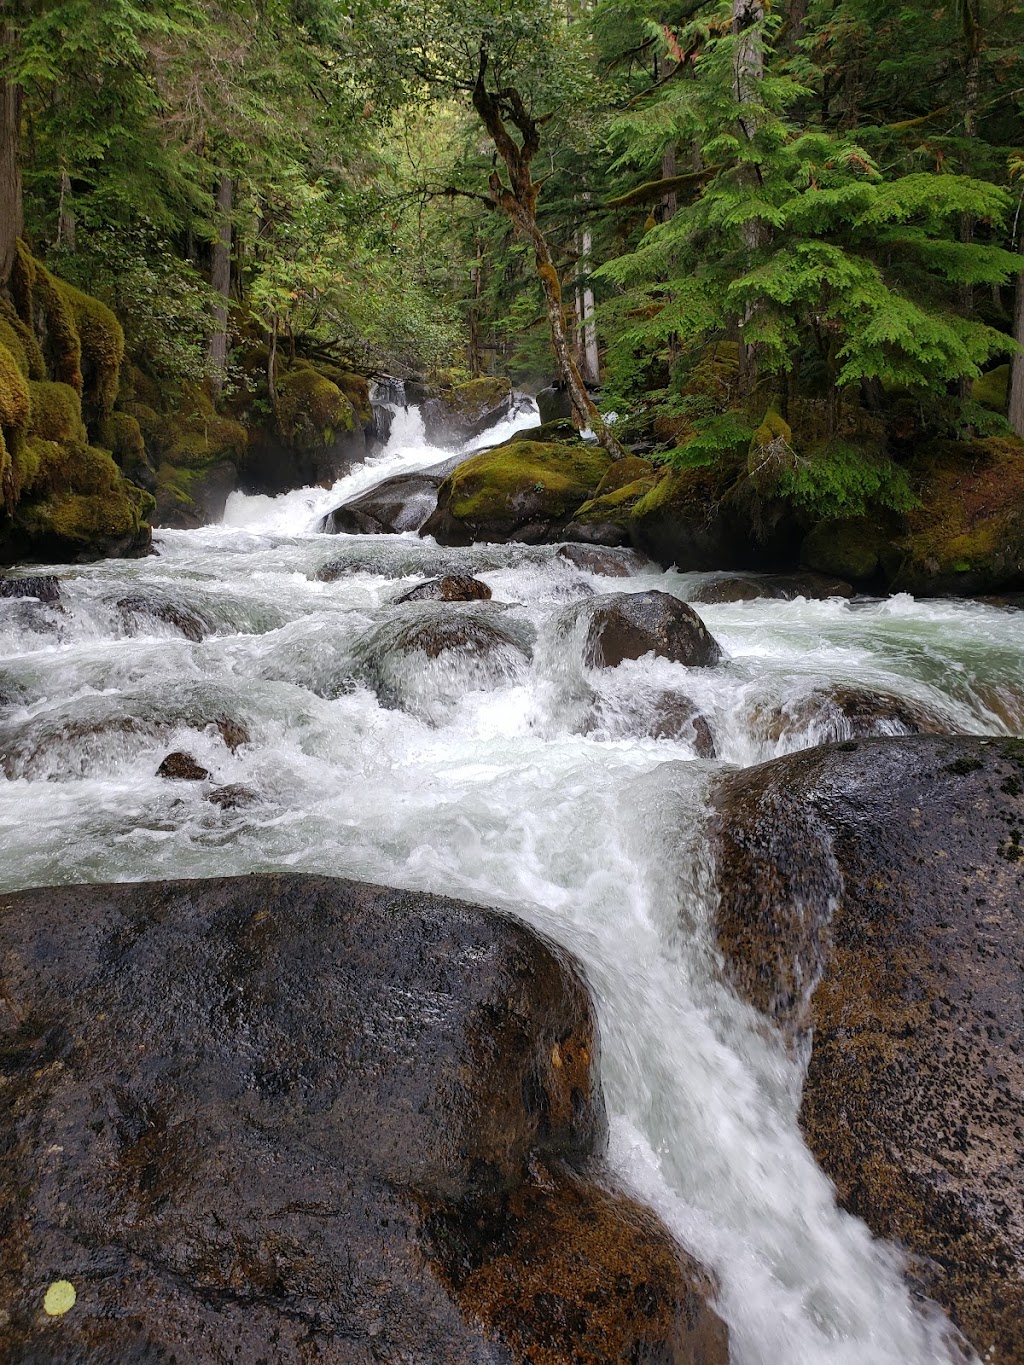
x,y
516,779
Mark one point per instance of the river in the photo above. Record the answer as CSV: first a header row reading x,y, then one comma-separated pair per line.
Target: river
x,y
515,781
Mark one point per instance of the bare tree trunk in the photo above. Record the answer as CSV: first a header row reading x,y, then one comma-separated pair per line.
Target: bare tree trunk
x,y
477,278
220,281
11,207
519,202
591,359
65,215
971,17
1016,410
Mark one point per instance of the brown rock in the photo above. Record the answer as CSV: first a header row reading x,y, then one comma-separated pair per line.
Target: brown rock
x,y
450,588
840,713
303,1120
914,1097
464,633
182,767
233,732
232,797
629,625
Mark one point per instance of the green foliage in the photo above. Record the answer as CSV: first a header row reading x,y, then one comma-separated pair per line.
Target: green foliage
x,y
844,481
725,434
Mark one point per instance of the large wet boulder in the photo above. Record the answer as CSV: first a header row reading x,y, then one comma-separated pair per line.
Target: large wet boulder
x,y
449,588
402,503
871,902
606,561
554,403
526,491
841,711
319,1120
630,625
467,410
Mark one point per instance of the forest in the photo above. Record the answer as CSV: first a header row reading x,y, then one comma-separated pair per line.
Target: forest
x,y
780,244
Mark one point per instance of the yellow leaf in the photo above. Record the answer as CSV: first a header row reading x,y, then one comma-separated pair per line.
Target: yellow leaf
x,y
60,1297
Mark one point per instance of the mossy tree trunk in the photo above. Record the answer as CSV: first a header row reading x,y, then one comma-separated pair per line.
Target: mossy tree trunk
x,y
11,210
748,74
220,281
518,200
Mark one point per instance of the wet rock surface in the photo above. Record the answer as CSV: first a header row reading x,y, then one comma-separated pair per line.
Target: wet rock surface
x,y
137,607
914,1096
306,1120
785,587
840,712
43,587
182,767
630,625
449,588
402,503
607,561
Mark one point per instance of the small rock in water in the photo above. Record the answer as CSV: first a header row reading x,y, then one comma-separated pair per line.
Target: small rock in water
x,y
232,797
609,561
630,625
181,618
780,587
463,633
676,717
232,732
450,588
44,587
182,767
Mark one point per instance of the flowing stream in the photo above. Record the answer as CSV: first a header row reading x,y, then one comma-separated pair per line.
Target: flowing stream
x,y
520,779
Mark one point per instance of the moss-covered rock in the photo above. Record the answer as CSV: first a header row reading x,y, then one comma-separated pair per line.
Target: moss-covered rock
x,y
10,339
679,522
15,412
523,491
356,389
122,435
623,472
187,498
605,519
311,409
56,412
853,549
55,322
992,389
101,349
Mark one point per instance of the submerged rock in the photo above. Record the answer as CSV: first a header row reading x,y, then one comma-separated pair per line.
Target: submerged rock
x,y
181,618
182,767
326,1121
871,900
43,587
630,625
606,560
784,587
449,588
845,712
234,796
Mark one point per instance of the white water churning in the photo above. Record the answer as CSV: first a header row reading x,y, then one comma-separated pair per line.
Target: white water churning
x,y
516,780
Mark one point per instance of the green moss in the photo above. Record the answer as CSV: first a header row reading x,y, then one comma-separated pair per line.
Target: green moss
x,y
23,284
10,339
556,478
622,473
311,410
101,341
476,397
15,402
687,492
25,339
991,389
850,549
122,436
616,506
355,388
56,412
62,346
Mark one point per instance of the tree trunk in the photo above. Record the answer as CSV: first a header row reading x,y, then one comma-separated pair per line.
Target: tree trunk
x,y
971,16
220,282
11,208
65,215
1016,410
588,328
748,73
519,202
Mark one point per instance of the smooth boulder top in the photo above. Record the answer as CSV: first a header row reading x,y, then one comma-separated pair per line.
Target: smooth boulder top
x,y
779,587
872,899
630,625
448,588
306,1120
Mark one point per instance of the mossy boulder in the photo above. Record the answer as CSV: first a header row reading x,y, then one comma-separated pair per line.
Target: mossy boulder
x,y
188,498
356,389
992,388
80,508
101,343
853,550
619,474
467,410
678,521
524,491
967,534
21,340
311,409
122,435
56,412
15,412
605,519
318,436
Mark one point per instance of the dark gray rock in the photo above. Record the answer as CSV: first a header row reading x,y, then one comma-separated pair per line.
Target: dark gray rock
x,y
608,561
402,503
43,587
871,901
784,587
629,625
294,1119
